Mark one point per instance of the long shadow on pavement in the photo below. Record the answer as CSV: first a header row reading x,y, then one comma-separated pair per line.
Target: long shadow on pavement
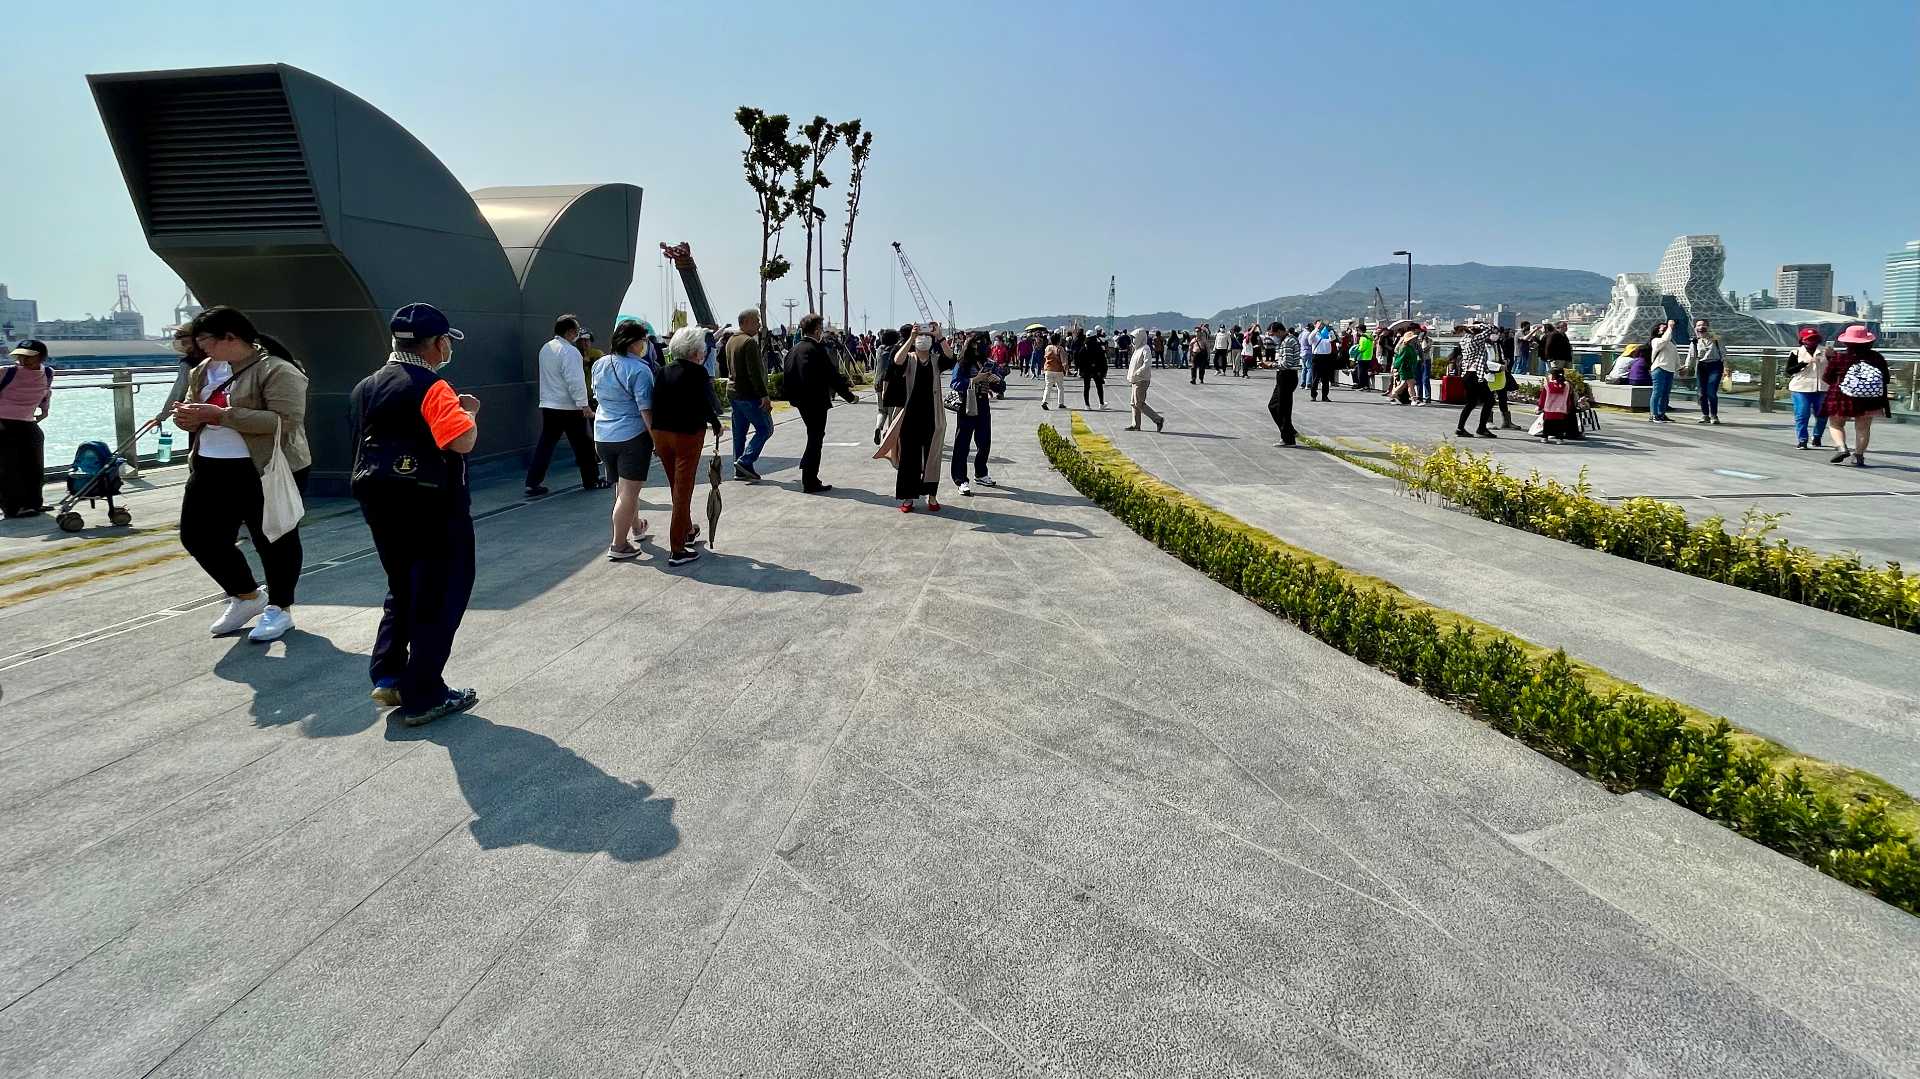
x,y
525,788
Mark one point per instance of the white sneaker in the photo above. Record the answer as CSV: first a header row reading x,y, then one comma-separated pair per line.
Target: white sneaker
x,y
966,488
986,481
239,612
274,623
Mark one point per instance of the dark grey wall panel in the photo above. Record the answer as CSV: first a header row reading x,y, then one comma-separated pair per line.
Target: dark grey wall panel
x,y
275,191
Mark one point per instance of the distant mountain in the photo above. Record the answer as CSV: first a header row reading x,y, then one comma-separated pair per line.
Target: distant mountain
x,y
1159,320
1534,288
1446,291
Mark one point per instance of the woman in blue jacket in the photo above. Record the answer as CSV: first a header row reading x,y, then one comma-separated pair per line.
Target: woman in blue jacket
x,y
974,380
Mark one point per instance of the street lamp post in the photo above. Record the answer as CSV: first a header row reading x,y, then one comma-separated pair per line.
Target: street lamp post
x,y
1408,311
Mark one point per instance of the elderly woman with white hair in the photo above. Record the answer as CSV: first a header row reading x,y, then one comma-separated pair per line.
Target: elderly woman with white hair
x,y
684,408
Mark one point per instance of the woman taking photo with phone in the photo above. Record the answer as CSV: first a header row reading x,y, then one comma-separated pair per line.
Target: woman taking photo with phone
x,y
246,401
916,438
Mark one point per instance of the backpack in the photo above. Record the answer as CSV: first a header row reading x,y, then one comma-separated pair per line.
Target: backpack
x,y
1863,381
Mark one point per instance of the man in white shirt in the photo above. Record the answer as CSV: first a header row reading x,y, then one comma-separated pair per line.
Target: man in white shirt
x,y
1139,377
564,409
1220,350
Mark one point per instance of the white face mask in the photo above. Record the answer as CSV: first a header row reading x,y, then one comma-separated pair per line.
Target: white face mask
x,y
923,343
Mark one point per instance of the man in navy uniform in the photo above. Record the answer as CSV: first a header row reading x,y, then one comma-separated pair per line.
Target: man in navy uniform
x,y
411,437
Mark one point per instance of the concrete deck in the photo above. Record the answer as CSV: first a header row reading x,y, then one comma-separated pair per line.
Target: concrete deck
x,y
1001,791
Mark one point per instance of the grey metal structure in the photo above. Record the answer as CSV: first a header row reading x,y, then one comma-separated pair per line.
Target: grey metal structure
x,y
275,191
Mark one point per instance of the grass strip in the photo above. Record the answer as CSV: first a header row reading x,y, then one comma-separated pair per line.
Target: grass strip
x,y
1849,824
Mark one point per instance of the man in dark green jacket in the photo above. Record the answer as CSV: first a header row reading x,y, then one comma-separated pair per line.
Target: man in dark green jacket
x,y
752,404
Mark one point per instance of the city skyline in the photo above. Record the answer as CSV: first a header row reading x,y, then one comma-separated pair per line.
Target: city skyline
x,y
1024,193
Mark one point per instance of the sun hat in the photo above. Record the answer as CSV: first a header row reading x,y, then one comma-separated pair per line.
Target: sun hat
x,y
1857,334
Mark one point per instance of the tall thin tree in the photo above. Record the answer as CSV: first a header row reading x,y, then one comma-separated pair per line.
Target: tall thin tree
x,y
769,159
817,139
859,148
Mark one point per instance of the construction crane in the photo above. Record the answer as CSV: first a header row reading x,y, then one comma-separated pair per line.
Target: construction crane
x,y
681,254
952,322
1380,302
1110,283
913,285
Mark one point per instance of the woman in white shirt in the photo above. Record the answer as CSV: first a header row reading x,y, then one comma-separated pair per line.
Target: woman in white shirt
x,y
244,403
1803,380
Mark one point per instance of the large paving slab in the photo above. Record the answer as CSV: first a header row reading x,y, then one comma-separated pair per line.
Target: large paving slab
x,y
1835,687
999,791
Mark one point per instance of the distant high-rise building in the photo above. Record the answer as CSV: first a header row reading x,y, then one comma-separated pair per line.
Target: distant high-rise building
x,y
1845,306
1806,285
1506,317
21,315
1900,292
1758,301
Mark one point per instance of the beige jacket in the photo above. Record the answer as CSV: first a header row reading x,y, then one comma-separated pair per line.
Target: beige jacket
x,y
930,468
264,389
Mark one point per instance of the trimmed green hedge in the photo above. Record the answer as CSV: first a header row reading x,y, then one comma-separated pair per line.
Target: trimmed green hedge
x,y
1624,739
1659,534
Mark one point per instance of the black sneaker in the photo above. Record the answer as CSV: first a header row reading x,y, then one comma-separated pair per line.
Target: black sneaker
x,y
457,701
1484,433
536,492
681,558
745,472
817,489
1461,432
1838,457
1160,424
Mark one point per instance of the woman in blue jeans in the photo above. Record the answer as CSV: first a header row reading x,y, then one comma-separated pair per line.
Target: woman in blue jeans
x,y
974,379
1709,362
1804,369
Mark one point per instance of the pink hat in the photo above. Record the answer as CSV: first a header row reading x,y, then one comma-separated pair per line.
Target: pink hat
x,y
1857,334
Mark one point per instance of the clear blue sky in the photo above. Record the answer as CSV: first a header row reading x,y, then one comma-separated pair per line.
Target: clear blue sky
x,y
1209,154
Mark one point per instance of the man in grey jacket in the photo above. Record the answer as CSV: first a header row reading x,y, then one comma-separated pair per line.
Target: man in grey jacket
x,y
1139,377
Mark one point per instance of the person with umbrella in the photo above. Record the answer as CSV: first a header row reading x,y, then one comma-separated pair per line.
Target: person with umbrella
x,y
683,405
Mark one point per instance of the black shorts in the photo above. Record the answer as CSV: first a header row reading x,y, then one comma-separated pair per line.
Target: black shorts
x,y
626,460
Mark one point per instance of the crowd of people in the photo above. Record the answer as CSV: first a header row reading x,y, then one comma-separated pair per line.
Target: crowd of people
x,y
241,400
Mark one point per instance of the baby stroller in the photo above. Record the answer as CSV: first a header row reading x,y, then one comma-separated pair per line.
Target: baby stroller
x,y
95,474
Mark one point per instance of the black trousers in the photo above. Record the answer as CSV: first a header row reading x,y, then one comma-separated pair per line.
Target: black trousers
x,y
1198,373
1478,396
1280,405
223,494
974,431
1090,384
1500,400
572,423
815,419
1322,386
1220,359
23,459
427,551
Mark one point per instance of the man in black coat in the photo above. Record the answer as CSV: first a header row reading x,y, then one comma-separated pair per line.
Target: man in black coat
x,y
813,379
1557,347
1091,361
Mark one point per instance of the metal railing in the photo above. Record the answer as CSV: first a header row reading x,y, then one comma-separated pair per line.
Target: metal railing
x,y
123,384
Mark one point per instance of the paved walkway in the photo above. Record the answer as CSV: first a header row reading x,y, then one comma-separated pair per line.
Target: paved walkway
x,y
1001,791
1831,686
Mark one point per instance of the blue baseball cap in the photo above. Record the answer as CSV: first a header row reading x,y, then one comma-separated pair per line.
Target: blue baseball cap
x,y
419,321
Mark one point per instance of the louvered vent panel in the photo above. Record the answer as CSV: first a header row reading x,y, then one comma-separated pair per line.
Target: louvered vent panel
x,y
226,160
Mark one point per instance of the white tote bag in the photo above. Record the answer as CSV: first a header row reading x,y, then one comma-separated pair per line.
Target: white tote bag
x,y
284,507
